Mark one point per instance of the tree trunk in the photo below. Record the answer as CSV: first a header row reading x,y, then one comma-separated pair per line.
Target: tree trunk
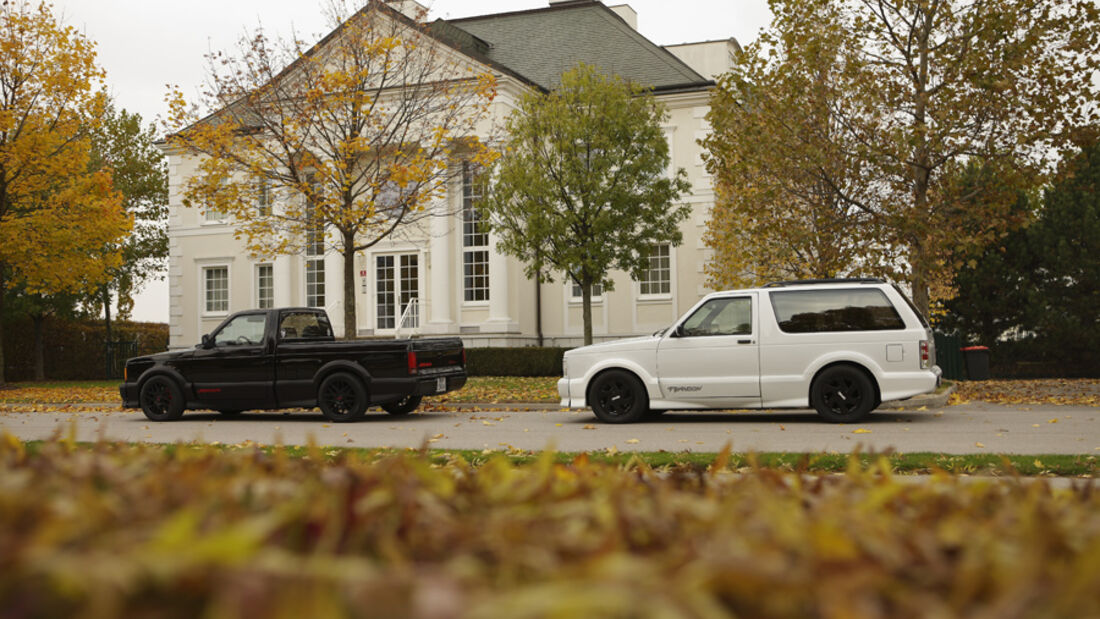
x,y
586,297
107,314
351,327
2,379
39,348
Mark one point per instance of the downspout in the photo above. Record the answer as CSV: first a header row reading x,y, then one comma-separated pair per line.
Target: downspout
x,y
538,308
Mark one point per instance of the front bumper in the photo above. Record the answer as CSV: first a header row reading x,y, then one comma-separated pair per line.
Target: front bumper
x,y
129,393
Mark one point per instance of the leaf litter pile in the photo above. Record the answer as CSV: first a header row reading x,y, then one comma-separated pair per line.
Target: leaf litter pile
x,y
119,530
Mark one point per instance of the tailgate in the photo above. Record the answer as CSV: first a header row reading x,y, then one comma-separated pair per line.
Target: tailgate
x,y
439,355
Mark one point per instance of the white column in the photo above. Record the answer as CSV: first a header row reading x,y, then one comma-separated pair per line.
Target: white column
x,y
441,258
282,280
499,300
334,293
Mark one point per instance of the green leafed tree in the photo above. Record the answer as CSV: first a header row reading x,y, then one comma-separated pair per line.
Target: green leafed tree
x,y
583,186
905,96
120,144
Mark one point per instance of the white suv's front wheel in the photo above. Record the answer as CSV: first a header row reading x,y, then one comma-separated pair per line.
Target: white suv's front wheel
x,y
618,396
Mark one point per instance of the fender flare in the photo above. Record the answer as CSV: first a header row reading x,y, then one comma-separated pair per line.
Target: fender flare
x,y
342,365
163,370
652,387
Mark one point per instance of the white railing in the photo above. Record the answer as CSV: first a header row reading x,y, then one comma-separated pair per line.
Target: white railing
x,y
410,318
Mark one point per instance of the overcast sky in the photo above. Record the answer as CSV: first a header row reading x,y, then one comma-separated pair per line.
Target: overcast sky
x,y
146,44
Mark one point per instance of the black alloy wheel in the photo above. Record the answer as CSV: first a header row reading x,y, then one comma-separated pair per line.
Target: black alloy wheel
x,y
618,397
161,399
404,406
342,397
843,394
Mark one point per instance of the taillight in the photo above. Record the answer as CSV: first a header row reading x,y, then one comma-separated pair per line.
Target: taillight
x,y
463,357
412,362
925,356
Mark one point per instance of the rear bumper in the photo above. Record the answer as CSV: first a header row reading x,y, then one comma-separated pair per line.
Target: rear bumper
x,y
431,386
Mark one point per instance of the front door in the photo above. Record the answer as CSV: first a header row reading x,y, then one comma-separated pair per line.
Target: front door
x,y
238,372
397,283
714,354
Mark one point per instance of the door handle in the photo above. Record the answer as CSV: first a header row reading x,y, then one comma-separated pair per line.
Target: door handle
x,y
744,341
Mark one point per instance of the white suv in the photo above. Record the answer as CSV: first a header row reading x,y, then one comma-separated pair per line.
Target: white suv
x,y
840,346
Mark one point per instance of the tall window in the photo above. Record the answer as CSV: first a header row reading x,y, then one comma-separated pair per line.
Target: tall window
x,y
398,285
216,287
315,283
265,286
263,198
315,264
475,240
657,277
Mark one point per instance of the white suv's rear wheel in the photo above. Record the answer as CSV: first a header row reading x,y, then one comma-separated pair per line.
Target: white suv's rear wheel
x,y
843,394
618,397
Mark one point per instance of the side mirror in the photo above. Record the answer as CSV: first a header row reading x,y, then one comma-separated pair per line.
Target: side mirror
x,y
207,341
678,331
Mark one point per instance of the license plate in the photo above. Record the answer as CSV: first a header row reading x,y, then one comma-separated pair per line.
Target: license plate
x,y
440,385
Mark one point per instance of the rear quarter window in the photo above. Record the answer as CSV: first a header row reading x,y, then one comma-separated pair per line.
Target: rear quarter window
x,y
823,311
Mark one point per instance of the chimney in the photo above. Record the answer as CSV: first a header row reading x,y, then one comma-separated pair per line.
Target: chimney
x,y
629,15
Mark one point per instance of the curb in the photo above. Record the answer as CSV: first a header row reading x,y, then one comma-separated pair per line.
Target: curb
x,y
928,400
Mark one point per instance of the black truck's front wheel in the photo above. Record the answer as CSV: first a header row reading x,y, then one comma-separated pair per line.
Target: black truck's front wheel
x,y
161,399
342,397
404,406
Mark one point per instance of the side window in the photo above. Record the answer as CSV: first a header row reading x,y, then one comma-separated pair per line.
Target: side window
x,y
725,316
304,326
852,309
247,330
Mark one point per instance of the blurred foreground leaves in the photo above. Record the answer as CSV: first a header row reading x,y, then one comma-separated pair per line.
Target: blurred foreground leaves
x,y
119,530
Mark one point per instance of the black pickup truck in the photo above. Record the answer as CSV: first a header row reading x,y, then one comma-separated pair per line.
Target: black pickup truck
x,y
286,358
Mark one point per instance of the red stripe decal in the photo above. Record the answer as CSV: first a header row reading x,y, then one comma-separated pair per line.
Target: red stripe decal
x,y
201,391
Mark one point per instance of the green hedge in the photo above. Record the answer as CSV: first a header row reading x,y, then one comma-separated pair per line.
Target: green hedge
x,y
528,361
74,349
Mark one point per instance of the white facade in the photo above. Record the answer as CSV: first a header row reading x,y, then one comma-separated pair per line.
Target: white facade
x,y
211,274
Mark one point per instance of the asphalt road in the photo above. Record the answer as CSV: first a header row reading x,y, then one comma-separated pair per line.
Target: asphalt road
x,y
968,428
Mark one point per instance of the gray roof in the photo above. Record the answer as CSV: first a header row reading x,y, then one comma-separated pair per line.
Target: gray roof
x,y
541,44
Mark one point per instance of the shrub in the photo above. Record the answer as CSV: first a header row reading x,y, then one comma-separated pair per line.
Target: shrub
x,y
74,349
529,361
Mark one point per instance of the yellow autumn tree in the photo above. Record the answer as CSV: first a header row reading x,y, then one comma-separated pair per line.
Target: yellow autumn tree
x,y
55,216
337,145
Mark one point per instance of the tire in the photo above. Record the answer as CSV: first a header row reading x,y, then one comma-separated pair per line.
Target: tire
x,y
229,413
161,399
618,397
404,406
843,394
342,397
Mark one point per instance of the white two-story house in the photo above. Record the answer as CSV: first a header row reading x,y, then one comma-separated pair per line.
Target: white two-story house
x,y
447,268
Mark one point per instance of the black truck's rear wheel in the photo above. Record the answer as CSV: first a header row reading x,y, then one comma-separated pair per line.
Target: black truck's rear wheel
x,y
161,399
404,406
342,397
